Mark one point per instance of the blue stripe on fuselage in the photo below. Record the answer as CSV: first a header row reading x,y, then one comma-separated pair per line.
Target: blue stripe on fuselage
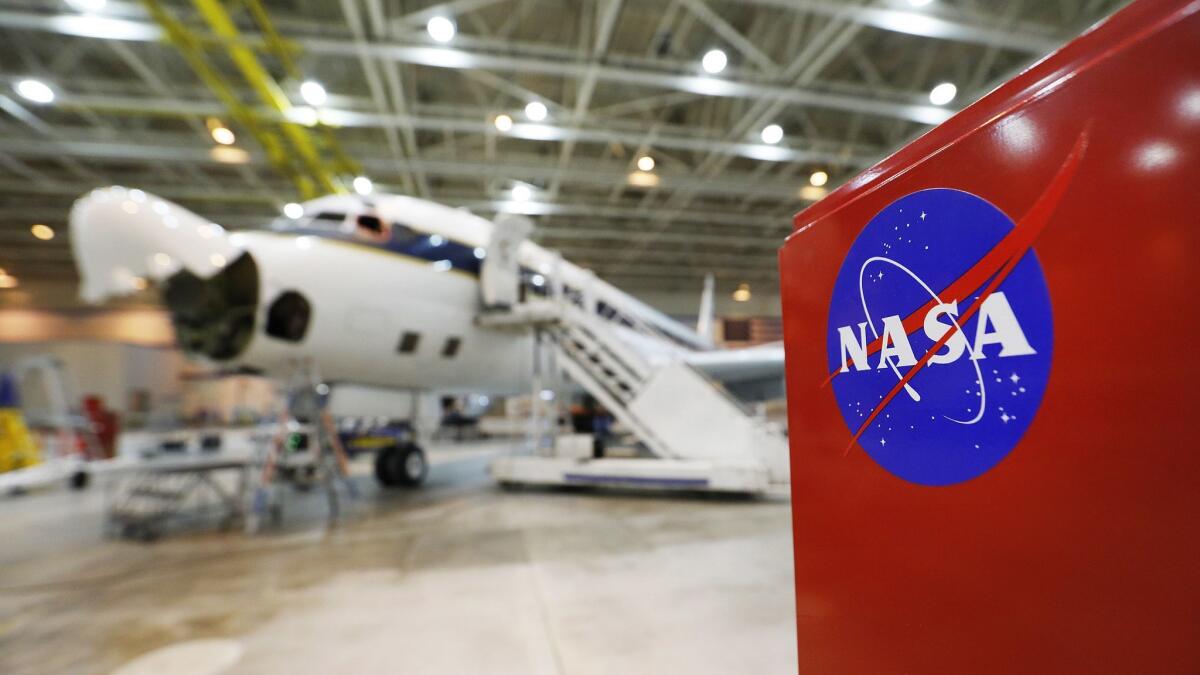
x,y
420,246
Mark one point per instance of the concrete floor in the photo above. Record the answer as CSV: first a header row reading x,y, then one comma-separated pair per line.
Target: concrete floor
x,y
458,577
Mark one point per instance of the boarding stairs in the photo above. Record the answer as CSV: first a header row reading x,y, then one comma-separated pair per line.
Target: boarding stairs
x,y
699,434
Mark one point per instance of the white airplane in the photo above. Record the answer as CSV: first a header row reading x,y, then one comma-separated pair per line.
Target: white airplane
x,y
380,290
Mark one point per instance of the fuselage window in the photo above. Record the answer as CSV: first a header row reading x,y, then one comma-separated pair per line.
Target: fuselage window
x,y
287,318
450,349
408,342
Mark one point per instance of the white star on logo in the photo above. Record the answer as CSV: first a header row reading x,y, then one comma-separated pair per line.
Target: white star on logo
x,y
1015,378
883,441
922,215
1005,417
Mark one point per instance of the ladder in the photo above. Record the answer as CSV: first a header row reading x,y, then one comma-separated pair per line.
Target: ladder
x,y
675,410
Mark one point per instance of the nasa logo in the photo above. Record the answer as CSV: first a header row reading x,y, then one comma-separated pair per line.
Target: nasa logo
x,y
939,345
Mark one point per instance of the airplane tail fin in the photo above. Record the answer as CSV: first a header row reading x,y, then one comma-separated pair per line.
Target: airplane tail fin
x,y
704,322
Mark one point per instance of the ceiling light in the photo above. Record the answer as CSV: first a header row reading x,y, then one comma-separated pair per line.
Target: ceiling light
x,y
363,185
645,163
818,178
538,280
313,93
441,29
742,294
8,281
811,193
643,179
43,232
503,122
223,135
714,61
293,210
227,154
521,192
303,115
772,134
919,3
536,111
140,283
943,93
480,253
35,90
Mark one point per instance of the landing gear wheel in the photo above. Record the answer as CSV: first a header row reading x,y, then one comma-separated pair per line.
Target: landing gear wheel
x,y
401,466
385,461
413,466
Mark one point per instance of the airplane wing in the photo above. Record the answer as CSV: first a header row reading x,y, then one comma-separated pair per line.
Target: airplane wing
x,y
740,365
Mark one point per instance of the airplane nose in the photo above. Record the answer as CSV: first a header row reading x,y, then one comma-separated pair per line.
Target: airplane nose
x,y
121,237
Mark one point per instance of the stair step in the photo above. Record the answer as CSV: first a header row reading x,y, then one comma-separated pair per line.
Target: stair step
x,y
157,493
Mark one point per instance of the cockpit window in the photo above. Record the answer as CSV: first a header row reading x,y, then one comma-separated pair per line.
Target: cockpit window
x,y
372,228
370,224
329,217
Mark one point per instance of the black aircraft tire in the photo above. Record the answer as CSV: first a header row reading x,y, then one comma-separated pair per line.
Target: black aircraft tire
x,y
411,467
386,466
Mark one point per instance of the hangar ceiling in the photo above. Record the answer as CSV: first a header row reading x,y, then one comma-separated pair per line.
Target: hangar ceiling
x,y
620,79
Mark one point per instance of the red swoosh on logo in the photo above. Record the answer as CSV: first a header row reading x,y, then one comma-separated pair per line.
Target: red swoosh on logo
x,y
999,261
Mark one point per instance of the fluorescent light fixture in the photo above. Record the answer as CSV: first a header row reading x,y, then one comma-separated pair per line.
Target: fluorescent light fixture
x,y
436,240
538,280
303,115
772,134
43,232
442,266
480,253
217,260
521,192
503,122
293,210
441,29
643,179
645,163
714,61
313,93
363,185
536,111
812,193
227,154
943,93
818,178
87,5
36,91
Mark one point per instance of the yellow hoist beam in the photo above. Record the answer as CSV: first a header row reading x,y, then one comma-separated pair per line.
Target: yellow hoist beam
x,y
289,146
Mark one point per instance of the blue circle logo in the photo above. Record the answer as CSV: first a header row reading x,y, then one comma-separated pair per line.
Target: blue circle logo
x,y
940,336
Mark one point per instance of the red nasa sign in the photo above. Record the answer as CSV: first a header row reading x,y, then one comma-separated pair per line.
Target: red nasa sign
x,y
1077,550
